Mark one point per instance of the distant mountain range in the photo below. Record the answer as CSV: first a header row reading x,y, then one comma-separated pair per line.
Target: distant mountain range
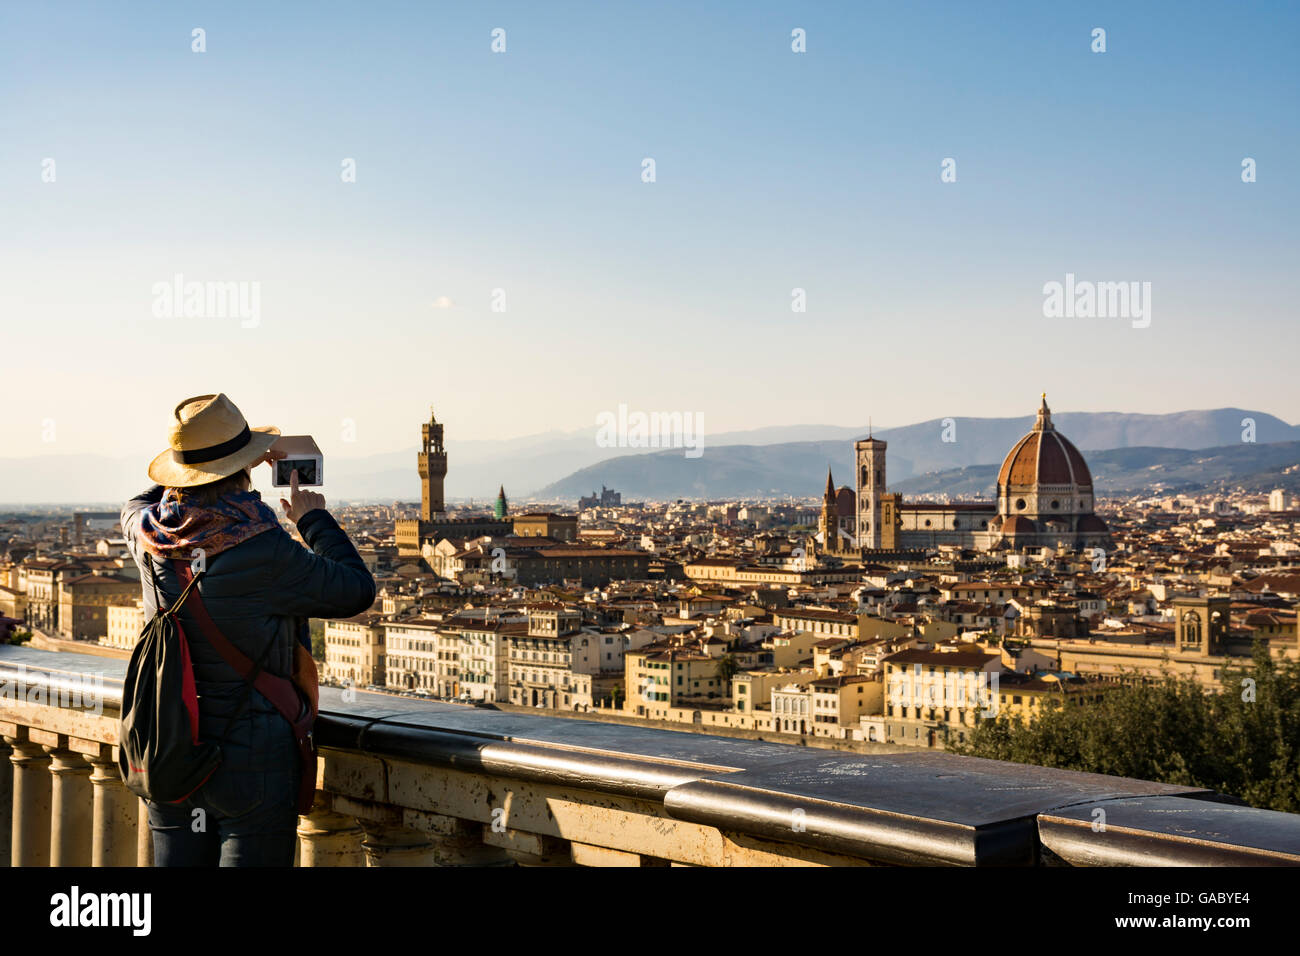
x,y
1124,451
1252,467
791,459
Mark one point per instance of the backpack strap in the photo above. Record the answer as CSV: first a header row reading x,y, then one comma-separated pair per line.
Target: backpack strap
x,y
157,594
248,690
280,691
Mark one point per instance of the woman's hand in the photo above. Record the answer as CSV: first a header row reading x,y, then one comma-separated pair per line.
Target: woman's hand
x,y
271,457
300,502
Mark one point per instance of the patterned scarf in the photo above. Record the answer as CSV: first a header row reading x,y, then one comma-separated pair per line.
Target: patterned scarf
x,y
173,528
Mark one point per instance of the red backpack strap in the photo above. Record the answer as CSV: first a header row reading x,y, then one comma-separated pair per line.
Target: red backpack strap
x,y
280,691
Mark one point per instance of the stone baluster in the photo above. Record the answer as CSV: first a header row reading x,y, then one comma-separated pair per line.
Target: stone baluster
x,y
387,845
71,808
144,836
326,838
115,816
456,841
6,804
530,849
30,827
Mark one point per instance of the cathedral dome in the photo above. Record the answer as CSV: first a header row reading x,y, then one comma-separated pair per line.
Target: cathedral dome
x,y
1044,457
1044,483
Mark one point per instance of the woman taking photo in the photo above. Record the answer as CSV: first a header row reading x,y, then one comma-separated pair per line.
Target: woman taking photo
x,y
259,587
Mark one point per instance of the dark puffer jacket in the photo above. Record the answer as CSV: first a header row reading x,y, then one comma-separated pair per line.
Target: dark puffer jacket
x,y
259,593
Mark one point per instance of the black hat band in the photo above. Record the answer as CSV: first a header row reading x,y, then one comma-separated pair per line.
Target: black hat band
x,y
213,452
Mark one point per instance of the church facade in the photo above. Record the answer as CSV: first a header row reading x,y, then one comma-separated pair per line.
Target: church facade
x,y
1044,498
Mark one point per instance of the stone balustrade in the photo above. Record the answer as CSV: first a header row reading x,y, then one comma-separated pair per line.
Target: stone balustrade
x,y
406,782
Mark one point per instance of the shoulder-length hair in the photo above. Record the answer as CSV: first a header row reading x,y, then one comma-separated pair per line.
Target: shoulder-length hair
x,y
209,493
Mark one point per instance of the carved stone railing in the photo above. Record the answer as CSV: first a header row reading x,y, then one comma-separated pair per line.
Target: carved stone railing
x,y
406,782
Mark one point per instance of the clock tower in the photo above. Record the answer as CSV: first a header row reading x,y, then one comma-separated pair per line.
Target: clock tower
x,y
433,469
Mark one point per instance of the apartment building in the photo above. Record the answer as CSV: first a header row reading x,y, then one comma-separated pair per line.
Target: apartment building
x,y
792,707
539,662
839,703
930,692
483,661
355,650
666,674
412,656
125,622
1024,697
823,623
83,603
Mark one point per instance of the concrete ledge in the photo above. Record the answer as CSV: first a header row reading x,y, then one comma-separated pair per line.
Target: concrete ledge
x,y
1171,831
921,809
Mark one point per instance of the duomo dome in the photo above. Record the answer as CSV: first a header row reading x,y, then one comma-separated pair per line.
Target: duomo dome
x,y
1044,485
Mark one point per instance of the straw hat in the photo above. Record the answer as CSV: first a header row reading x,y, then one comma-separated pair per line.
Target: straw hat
x,y
210,440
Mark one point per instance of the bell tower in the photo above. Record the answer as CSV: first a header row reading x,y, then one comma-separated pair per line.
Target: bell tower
x,y
829,525
433,468
1201,625
870,479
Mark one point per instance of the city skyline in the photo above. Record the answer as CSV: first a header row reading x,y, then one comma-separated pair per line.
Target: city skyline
x,y
558,466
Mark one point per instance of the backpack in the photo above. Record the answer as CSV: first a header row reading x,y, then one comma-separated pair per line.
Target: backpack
x,y
160,754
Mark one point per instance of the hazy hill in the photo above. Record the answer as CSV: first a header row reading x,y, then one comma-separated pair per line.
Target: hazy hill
x,y
799,469
1253,467
567,464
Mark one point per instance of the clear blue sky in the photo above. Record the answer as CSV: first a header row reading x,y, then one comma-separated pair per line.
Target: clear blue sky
x,y
522,171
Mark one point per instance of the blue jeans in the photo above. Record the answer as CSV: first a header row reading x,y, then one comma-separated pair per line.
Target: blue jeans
x,y
246,814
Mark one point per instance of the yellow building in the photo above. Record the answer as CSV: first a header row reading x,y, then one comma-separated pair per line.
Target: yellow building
x,y
1024,697
928,693
125,622
354,650
790,650
545,524
751,690
823,623
661,676
84,603
839,703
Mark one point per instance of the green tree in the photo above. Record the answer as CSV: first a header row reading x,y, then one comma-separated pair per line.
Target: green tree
x,y
317,638
1243,740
